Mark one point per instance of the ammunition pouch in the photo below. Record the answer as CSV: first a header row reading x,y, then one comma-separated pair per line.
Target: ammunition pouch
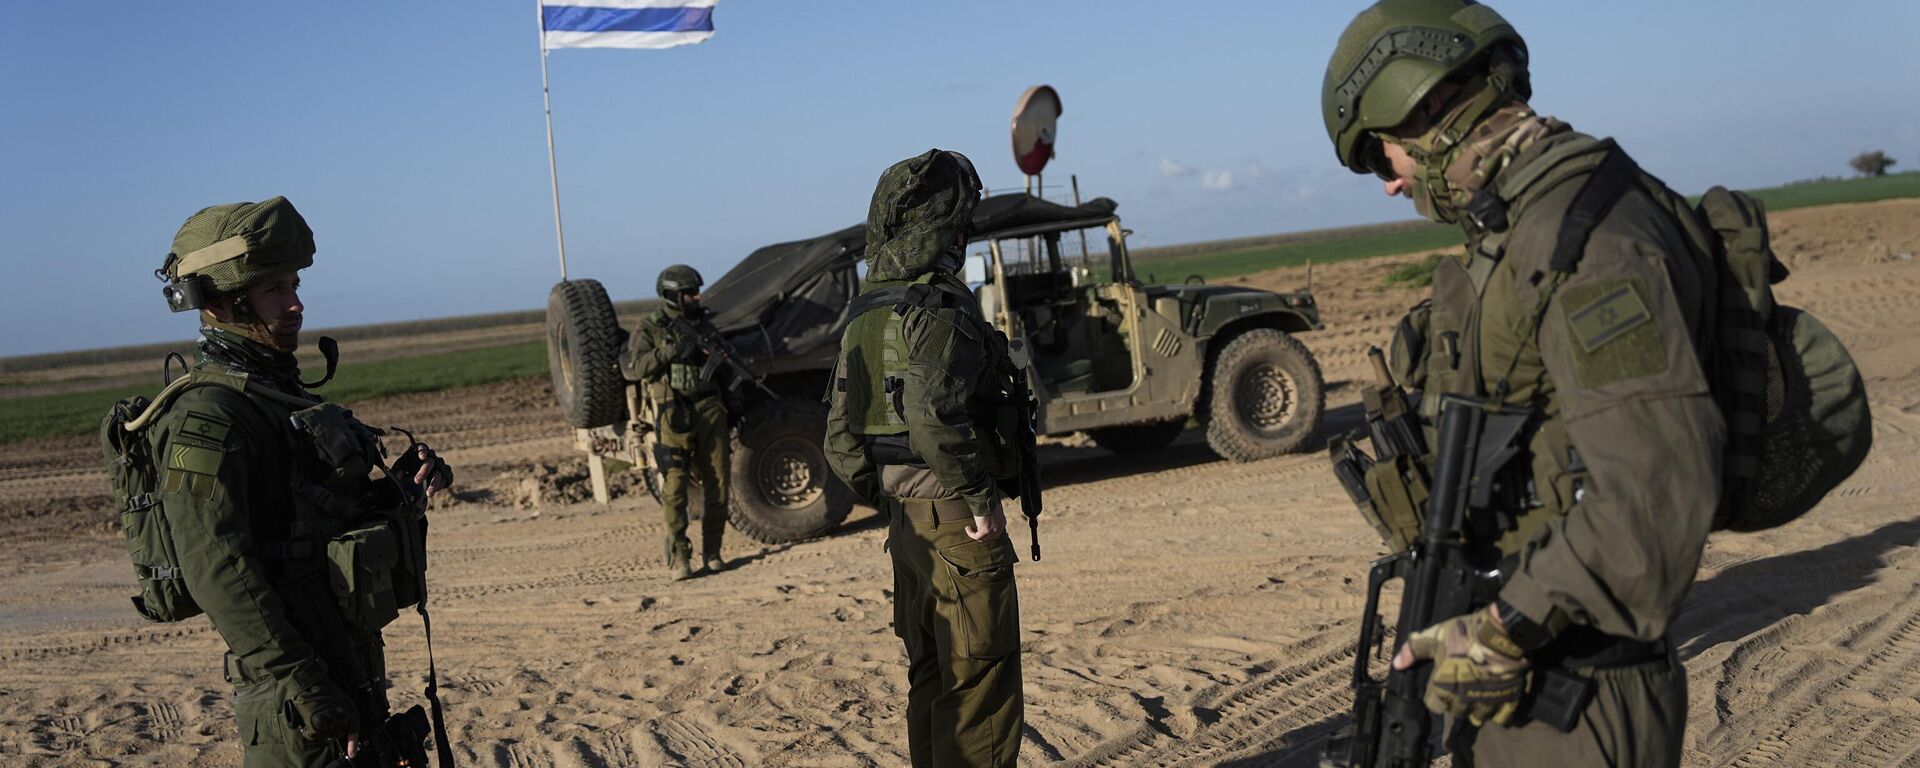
x,y
377,569
685,379
344,449
1399,491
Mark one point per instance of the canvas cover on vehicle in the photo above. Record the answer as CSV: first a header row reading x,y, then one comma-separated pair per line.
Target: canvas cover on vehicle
x,y
792,297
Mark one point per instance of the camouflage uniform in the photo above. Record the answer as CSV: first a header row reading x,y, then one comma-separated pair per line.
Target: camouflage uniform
x,y
693,427
1623,463
912,443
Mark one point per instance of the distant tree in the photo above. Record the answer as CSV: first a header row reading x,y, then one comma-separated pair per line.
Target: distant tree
x,y
1873,163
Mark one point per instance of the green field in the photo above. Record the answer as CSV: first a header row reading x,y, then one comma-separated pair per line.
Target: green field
x,y
25,418
1358,243
79,412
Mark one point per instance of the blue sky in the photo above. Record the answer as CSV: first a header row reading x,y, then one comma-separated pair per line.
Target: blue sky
x,y
410,134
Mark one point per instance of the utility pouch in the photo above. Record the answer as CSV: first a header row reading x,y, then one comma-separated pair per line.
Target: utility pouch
x,y
683,378
373,572
345,449
1558,697
1400,492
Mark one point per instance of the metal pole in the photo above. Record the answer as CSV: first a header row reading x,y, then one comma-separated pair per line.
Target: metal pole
x,y
553,168
1085,258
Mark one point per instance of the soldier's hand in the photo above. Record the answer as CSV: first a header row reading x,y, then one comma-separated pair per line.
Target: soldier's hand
x,y
324,712
1478,672
434,475
992,526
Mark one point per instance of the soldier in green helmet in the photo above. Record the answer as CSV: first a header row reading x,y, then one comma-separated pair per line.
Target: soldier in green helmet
x,y
910,428
1580,299
692,420
258,494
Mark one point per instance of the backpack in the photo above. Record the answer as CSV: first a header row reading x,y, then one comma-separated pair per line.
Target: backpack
x,y
135,477
1796,409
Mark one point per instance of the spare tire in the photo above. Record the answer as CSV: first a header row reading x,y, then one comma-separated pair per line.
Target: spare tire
x,y
782,489
583,354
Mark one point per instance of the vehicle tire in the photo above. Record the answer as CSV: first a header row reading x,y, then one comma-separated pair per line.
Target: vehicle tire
x,y
583,354
782,488
1266,396
1138,438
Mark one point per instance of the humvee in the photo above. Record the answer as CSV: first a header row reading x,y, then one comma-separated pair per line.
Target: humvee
x,y
1128,363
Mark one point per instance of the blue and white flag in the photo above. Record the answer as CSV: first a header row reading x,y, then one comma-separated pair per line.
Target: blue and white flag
x,y
625,23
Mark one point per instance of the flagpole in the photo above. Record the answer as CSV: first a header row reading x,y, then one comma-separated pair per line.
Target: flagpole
x,y
553,168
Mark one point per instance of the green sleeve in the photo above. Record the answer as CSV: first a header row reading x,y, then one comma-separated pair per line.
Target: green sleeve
x,y
844,451
648,351
206,460
1618,343
945,358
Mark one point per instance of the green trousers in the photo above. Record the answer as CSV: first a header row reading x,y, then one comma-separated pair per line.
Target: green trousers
x,y
263,711
1638,718
956,608
694,438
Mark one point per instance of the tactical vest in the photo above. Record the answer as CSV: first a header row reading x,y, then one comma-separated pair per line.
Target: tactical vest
x,y
682,379
1795,407
873,372
366,535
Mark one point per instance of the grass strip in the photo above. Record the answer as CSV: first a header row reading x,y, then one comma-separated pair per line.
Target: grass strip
x,y
72,413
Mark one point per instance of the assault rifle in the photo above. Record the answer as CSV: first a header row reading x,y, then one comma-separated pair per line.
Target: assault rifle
x,y
1391,725
1026,439
719,353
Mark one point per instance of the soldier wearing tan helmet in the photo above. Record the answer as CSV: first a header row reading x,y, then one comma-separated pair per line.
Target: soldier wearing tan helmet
x,y
262,495
1599,526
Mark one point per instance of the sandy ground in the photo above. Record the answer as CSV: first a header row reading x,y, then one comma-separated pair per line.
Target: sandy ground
x,y
1188,612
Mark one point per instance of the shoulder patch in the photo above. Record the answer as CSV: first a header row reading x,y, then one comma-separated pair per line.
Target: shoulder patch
x,y
194,458
205,427
1614,334
1607,316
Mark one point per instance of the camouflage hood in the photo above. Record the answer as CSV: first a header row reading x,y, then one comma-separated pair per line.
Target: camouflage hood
x,y
919,206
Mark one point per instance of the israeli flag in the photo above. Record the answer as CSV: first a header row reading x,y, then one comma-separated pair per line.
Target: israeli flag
x,y
625,23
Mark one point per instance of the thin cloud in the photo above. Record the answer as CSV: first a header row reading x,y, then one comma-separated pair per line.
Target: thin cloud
x,y
1217,180
1173,170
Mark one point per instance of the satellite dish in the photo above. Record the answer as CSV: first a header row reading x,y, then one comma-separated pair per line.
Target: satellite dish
x,y
1034,117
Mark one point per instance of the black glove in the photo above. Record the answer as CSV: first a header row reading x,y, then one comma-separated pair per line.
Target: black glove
x,y
322,712
686,350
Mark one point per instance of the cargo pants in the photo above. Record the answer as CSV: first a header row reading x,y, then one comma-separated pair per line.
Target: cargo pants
x,y
263,711
956,609
1638,718
694,439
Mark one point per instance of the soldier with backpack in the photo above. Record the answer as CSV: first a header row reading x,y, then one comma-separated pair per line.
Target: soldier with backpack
x,y
919,425
244,496
1632,331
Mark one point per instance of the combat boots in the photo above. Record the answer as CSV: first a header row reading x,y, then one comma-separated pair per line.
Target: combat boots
x,y
714,563
680,570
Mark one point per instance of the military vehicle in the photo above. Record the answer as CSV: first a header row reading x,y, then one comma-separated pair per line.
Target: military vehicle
x,y
1128,363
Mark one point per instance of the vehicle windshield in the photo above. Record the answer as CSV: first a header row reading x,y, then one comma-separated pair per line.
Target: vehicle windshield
x,y
1087,254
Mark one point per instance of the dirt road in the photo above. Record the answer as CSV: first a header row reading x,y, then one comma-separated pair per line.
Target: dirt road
x,y
1189,611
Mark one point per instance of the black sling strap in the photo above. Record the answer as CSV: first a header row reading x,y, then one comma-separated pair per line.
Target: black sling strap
x,y
1595,200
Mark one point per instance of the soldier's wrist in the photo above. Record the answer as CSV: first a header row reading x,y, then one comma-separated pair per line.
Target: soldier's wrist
x,y
1528,633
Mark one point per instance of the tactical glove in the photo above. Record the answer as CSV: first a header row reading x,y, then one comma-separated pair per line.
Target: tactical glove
x,y
686,350
1478,671
323,712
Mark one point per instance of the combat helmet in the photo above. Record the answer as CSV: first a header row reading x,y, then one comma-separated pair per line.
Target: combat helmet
x,y
222,248
1395,52
676,281
920,205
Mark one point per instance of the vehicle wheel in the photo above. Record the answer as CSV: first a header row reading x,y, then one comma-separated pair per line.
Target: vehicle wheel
x,y
583,354
1266,398
1138,438
782,490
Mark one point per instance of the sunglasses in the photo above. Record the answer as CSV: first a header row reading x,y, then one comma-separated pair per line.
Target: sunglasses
x,y
1373,157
